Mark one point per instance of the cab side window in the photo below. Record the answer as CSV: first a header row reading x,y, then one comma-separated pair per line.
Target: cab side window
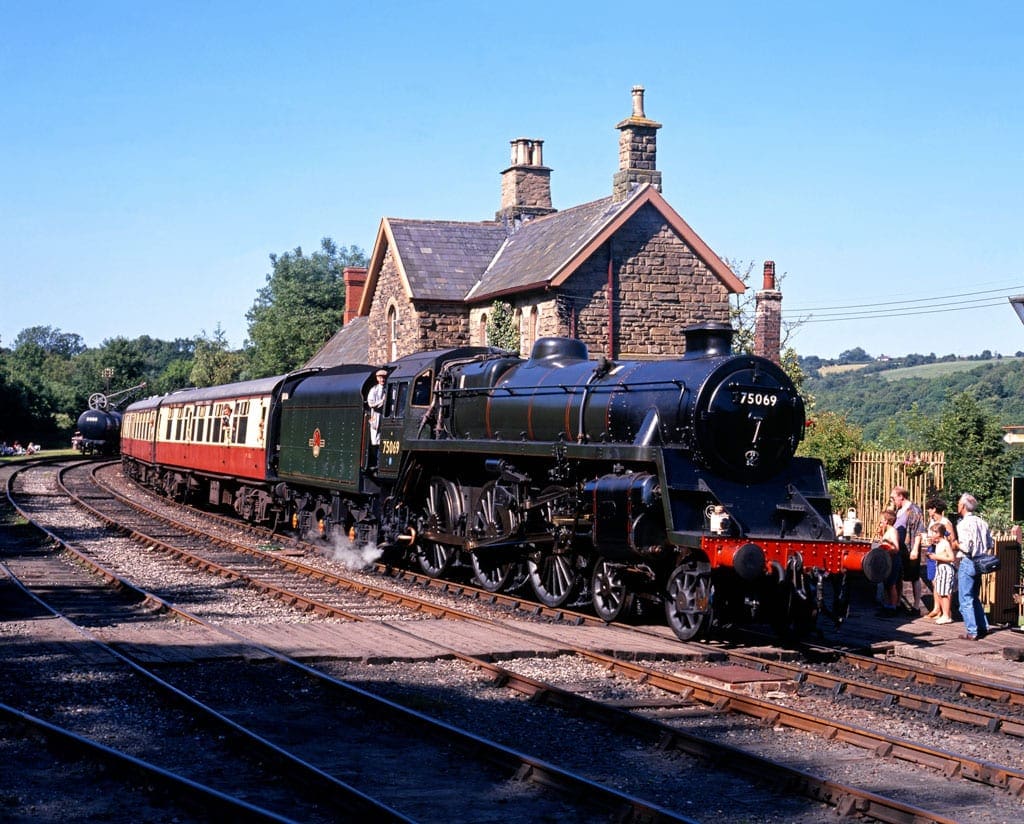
x,y
394,404
421,390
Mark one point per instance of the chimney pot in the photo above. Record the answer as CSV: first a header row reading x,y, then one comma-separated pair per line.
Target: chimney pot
x,y
769,274
525,184
638,151
638,102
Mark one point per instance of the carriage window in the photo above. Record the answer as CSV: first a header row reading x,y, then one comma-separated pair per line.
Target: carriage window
x,y
226,413
421,390
170,423
241,421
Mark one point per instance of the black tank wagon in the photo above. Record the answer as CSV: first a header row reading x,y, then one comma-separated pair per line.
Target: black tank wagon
x,y
671,482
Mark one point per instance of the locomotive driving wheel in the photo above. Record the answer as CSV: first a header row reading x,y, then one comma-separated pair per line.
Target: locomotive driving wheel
x,y
443,507
610,594
555,571
688,599
493,518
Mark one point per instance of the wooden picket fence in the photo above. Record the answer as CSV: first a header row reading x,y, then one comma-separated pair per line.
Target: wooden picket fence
x,y
874,474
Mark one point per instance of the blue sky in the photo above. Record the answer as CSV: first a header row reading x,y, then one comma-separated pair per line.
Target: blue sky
x,y
153,155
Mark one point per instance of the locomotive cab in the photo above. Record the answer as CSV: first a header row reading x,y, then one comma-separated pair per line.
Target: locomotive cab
x,y
414,408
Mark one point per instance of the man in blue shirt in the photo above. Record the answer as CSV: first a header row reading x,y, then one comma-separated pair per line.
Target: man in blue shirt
x,y
974,538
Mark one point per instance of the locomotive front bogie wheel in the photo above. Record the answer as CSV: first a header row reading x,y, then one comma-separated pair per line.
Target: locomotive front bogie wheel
x,y
493,519
610,593
443,509
688,599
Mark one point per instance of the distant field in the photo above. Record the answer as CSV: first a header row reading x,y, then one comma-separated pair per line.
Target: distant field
x,y
936,370
840,368
924,370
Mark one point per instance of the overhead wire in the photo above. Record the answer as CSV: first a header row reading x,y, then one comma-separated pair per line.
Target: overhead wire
x,y
964,301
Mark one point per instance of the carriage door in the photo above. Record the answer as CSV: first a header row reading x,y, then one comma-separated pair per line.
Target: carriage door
x,y
391,427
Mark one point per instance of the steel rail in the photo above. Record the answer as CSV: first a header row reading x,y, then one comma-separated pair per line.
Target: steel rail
x,y
968,683
290,564
525,767
190,793
888,697
293,765
947,762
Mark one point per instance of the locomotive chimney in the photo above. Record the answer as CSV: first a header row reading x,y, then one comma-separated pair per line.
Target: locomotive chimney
x,y
638,151
526,184
768,317
709,339
354,278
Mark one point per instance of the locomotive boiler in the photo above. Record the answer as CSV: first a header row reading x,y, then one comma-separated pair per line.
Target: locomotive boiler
x,y
622,484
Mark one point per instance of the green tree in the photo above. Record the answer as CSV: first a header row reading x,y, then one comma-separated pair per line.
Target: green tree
x,y
502,329
175,375
299,308
16,418
855,355
831,438
977,459
38,371
214,363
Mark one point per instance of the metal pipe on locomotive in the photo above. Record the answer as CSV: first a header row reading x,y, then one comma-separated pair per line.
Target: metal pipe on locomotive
x,y
669,482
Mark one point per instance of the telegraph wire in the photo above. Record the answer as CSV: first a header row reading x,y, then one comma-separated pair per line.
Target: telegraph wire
x,y
964,302
1003,292
881,314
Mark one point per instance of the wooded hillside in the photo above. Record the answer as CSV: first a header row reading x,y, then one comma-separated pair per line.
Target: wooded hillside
x,y
881,392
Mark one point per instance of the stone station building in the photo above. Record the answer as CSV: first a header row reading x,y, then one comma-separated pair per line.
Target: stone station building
x,y
624,274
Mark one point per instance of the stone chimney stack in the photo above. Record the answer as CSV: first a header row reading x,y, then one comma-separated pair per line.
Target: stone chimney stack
x,y
526,184
354,278
638,151
768,317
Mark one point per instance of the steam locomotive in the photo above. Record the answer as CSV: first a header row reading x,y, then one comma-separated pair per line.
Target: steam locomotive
x,y
671,482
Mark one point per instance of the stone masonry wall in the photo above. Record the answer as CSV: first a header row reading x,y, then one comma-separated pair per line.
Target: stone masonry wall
x,y
661,286
440,325
389,292
424,326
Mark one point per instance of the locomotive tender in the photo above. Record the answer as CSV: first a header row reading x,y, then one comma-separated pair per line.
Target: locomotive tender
x,y
672,481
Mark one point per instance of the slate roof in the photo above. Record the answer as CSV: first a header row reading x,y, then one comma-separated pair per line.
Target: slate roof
x,y
476,262
351,344
536,253
443,259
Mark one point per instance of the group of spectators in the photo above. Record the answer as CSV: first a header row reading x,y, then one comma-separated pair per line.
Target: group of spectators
x,y
17,449
930,551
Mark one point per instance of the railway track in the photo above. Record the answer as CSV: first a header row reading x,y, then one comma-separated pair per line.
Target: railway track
x,y
389,747
694,691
